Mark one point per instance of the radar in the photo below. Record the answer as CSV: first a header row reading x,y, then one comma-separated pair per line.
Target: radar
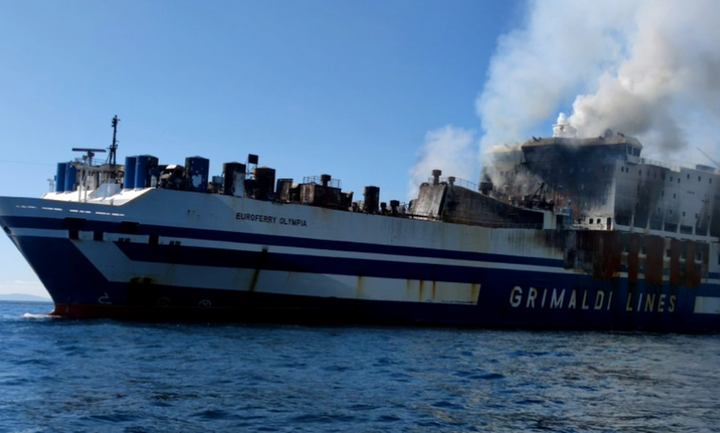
x,y
83,149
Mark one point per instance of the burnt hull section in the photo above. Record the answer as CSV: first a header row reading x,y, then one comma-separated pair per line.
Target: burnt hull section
x,y
504,297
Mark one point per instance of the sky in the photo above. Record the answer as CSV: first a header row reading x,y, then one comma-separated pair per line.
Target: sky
x,y
312,87
371,92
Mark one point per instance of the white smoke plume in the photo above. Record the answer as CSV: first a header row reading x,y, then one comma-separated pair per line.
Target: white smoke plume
x,y
449,149
648,68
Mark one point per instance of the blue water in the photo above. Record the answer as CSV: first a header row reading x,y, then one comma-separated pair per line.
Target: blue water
x,y
60,375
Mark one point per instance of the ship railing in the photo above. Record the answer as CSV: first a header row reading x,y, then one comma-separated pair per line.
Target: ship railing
x,y
317,180
528,226
94,162
457,182
482,223
671,167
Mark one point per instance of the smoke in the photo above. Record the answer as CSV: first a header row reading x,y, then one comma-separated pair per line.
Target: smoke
x,y
449,149
650,69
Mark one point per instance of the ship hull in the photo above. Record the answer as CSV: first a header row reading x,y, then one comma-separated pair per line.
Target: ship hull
x,y
233,260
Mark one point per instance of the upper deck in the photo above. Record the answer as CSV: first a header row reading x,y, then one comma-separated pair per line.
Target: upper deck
x,y
607,185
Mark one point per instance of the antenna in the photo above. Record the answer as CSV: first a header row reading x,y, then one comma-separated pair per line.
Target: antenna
x,y
717,166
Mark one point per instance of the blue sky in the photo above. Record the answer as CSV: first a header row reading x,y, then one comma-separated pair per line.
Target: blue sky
x,y
348,88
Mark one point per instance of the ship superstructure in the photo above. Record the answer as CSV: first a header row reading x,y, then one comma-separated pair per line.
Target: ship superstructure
x,y
607,185
560,232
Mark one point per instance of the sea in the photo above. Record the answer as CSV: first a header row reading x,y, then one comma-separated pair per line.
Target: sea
x,y
65,375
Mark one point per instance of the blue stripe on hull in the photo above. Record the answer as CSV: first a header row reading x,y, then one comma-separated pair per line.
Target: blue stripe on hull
x,y
284,241
64,271
79,289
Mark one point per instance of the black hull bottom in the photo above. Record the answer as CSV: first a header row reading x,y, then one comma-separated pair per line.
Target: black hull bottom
x,y
216,314
315,316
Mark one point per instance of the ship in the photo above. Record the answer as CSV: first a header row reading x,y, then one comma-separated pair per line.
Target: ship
x,y
560,232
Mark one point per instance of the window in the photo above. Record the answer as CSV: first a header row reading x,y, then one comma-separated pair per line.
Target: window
x,y
688,176
670,211
640,172
662,193
699,178
678,180
683,213
670,178
674,195
591,220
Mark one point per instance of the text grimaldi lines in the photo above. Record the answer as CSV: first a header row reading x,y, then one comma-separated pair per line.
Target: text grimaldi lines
x,y
583,299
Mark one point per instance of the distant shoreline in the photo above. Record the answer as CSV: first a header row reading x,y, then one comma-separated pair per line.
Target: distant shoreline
x,y
20,297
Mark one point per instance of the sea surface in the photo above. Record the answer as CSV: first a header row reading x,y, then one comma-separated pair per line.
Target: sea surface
x,y
61,375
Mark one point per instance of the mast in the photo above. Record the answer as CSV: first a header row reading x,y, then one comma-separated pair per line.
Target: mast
x,y
114,145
